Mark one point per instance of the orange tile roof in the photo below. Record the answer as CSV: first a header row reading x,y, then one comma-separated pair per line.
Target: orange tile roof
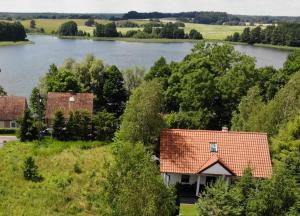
x,y
12,107
68,102
188,151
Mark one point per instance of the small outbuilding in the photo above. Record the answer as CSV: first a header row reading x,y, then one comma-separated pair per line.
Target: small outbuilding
x,y
11,110
198,157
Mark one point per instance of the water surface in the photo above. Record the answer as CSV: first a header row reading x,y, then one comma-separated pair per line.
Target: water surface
x,y
22,66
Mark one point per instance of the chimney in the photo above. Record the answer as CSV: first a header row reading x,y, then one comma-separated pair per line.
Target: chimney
x,y
225,129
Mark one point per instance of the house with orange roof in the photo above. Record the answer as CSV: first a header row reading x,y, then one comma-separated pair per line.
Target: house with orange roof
x,y
11,110
199,157
67,102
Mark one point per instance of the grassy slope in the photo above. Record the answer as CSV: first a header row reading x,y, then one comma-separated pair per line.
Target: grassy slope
x,y
188,210
63,192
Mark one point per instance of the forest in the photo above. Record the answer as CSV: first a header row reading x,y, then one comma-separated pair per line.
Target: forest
x,y
284,34
205,17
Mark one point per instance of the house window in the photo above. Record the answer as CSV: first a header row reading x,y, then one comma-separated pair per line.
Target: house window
x,y
213,147
13,124
185,179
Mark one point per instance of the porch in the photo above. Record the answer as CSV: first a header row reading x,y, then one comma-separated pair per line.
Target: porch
x,y
190,185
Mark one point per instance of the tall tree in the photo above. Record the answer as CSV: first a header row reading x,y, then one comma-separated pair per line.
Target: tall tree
x,y
142,120
114,92
133,185
59,126
28,130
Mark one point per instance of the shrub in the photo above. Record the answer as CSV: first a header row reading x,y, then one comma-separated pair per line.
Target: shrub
x,y
30,170
8,131
77,168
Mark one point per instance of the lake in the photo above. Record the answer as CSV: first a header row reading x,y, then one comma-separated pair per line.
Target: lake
x,y
22,66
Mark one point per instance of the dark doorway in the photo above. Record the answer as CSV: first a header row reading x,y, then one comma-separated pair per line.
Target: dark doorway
x,y
210,180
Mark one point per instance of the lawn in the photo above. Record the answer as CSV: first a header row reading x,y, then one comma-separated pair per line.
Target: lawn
x,y
71,172
188,210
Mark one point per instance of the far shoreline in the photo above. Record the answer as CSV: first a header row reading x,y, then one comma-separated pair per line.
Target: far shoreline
x,y
15,43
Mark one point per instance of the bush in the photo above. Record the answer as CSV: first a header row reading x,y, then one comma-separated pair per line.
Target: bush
x,y
8,131
30,170
68,29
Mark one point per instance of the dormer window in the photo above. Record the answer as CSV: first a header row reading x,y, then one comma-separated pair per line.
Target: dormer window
x,y
213,147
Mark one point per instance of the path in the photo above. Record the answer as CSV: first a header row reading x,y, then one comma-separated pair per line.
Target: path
x,y
4,139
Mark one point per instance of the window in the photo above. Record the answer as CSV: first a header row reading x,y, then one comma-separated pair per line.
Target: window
x,y
185,179
13,124
213,147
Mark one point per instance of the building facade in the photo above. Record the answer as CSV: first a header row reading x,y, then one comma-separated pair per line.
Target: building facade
x,y
199,157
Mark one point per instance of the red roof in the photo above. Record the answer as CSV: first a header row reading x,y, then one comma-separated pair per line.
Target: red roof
x,y
12,107
188,152
68,102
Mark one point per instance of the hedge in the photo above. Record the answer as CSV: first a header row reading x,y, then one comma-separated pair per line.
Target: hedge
x,y
8,131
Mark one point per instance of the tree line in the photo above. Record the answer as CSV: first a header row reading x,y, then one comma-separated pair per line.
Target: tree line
x,y
284,34
12,31
210,17
150,30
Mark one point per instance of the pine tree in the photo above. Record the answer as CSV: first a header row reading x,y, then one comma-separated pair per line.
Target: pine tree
x,y
59,126
28,130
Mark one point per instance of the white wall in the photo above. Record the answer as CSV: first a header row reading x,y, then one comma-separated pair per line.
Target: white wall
x,y
216,169
176,178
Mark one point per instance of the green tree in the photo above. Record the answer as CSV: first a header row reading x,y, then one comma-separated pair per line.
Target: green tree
x,y
195,35
37,103
105,125
28,130
68,29
59,126
2,91
142,120
255,35
245,36
32,24
161,71
114,92
218,199
277,196
30,170
133,78
133,185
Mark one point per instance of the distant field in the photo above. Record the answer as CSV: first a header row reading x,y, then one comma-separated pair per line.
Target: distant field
x,y
211,32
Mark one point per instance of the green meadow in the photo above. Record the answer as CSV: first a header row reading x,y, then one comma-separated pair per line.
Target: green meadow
x,y
71,172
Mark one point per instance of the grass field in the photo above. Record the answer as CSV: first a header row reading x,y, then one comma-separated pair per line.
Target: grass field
x,y
11,43
188,210
63,191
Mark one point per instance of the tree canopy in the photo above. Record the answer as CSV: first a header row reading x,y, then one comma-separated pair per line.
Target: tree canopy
x,y
12,31
68,29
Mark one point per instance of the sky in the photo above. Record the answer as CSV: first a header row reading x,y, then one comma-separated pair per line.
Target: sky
x,y
246,7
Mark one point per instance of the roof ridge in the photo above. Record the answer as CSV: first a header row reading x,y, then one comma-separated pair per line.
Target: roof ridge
x,y
215,131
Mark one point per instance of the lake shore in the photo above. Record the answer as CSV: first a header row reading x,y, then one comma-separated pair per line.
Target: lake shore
x,y
166,40
126,39
12,43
